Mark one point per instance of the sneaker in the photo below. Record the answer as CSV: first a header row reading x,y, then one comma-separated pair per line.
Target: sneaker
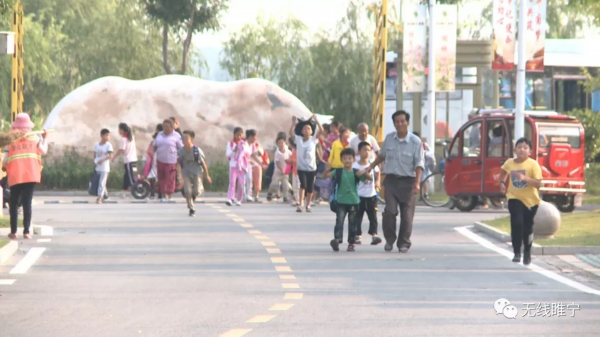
x,y
517,258
285,200
376,240
229,202
258,201
171,201
308,209
163,200
388,247
13,236
299,209
28,236
249,199
192,213
358,240
99,200
237,203
527,258
269,197
350,247
335,245
295,204
403,250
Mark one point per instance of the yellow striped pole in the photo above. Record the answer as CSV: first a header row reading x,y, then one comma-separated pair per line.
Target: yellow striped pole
x,y
17,81
379,70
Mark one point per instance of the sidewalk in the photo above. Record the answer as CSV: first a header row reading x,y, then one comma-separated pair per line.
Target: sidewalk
x,y
49,193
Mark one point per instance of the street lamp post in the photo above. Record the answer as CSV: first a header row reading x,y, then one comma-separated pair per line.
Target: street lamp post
x,y
521,60
431,119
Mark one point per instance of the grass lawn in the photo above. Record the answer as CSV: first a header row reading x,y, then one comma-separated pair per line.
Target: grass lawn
x,y
591,199
3,242
5,222
577,229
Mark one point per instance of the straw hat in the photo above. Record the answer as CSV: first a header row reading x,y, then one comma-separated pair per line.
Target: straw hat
x,y
22,123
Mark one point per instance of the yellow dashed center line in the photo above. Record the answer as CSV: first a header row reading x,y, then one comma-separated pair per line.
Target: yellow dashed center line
x,y
260,319
293,296
281,306
290,286
287,277
288,296
235,333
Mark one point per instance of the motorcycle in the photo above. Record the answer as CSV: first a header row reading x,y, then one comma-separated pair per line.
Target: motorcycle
x,y
142,188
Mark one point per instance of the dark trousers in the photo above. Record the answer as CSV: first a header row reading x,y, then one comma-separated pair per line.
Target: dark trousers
x,y
368,205
342,211
398,195
521,225
23,193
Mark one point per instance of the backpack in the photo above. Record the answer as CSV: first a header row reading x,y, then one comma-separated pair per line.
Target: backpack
x,y
335,182
269,173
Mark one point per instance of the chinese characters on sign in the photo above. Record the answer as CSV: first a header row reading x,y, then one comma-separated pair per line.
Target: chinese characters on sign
x,y
445,47
535,34
505,27
414,54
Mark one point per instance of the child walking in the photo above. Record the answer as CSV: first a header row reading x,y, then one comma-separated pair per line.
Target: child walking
x,y
335,158
254,173
103,152
368,195
295,180
345,199
282,154
191,162
523,197
238,154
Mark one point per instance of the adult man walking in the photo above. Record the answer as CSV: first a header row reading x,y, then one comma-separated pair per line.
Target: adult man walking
x,y
364,136
402,154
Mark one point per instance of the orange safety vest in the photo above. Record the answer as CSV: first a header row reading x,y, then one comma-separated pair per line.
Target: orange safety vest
x,y
24,163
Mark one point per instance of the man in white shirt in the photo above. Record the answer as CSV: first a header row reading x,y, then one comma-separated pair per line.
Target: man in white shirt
x,y
364,136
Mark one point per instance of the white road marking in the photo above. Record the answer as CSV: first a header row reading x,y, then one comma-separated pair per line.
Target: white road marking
x,y
487,244
29,259
44,240
7,282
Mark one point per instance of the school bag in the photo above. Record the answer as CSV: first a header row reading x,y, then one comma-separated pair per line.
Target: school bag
x,y
94,182
269,173
335,183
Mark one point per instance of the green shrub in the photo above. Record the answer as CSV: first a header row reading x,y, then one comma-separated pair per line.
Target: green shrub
x,y
592,179
591,124
70,169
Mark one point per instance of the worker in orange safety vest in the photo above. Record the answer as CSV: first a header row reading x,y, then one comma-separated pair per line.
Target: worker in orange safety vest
x,y
24,170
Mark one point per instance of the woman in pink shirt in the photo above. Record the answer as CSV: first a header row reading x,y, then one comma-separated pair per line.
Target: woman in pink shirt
x,y
166,145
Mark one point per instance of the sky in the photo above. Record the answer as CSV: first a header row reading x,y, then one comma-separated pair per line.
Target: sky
x,y
314,13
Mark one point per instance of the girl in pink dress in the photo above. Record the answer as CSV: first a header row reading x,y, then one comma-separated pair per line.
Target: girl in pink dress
x,y
238,154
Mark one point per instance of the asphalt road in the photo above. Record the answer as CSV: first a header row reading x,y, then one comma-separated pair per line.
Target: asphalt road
x,y
264,270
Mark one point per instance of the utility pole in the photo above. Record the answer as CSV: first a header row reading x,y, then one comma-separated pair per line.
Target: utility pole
x,y
17,82
521,60
431,119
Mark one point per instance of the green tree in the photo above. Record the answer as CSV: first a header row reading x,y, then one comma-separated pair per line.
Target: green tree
x,y
331,73
6,6
71,42
184,18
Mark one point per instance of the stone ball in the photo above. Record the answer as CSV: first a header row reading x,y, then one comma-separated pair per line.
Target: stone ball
x,y
547,220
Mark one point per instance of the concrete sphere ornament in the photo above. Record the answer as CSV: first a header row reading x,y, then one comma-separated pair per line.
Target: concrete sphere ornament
x,y
547,221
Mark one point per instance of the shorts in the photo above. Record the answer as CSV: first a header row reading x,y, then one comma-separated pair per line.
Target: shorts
x,y
307,180
130,175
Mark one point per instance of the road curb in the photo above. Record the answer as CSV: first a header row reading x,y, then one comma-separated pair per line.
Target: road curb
x,y
8,250
537,249
41,230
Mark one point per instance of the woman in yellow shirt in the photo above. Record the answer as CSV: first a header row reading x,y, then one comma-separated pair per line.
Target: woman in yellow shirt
x,y
335,156
523,197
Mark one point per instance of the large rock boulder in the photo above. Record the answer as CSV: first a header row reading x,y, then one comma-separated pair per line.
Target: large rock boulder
x,y
210,109
547,221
